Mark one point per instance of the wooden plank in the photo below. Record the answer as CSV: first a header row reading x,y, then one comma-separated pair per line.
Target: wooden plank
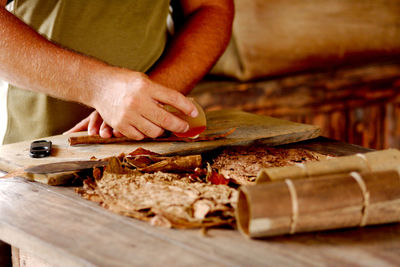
x,y
21,258
250,128
63,229
58,226
69,231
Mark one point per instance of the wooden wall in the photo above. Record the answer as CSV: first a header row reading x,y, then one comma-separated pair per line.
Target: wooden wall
x,y
359,105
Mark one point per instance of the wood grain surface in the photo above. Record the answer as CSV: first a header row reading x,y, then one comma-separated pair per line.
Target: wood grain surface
x,y
249,128
63,229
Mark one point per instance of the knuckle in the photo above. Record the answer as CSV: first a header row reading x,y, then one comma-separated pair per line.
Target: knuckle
x,y
175,97
131,102
173,123
131,133
166,121
120,127
141,82
141,76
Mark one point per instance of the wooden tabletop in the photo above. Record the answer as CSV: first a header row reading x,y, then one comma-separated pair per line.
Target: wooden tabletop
x,y
63,229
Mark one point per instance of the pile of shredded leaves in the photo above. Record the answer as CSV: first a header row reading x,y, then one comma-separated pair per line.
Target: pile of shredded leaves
x,y
167,191
181,191
242,164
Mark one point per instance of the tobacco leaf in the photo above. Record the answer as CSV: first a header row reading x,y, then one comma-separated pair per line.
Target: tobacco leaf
x,y
139,161
175,164
165,199
217,178
214,177
197,197
141,151
115,165
241,165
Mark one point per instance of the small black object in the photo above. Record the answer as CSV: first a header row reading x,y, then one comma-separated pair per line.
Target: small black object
x,y
40,149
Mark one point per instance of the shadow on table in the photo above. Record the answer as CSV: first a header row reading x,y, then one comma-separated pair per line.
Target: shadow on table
x,y
353,236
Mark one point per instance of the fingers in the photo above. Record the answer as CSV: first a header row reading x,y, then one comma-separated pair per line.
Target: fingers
x,y
132,109
95,123
80,126
131,132
175,99
105,130
117,133
148,128
166,120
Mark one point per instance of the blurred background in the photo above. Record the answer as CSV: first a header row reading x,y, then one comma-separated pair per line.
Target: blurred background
x,y
332,63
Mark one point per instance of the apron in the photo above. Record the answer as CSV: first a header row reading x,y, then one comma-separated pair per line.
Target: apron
x,y
125,33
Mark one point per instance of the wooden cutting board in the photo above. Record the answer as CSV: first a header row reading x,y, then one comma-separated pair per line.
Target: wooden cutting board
x,y
249,128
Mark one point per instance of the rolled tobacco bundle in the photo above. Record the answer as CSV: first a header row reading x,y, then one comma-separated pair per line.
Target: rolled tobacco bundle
x,y
325,202
96,139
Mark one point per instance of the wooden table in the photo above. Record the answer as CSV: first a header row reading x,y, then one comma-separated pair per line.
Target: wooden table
x,y
62,229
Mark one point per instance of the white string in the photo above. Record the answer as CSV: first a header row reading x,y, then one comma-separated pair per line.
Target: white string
x,y
365,194
295,205
365,159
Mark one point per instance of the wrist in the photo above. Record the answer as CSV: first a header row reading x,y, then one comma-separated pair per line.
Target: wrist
x,y
106,81
99,80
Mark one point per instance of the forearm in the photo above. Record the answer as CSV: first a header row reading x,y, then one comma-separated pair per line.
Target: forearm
x,y
30,61
196,47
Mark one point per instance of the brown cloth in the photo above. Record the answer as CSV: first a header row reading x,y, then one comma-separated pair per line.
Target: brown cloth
x,y
278,37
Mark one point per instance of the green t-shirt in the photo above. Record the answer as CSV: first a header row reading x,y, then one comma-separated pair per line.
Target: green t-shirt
x,y
125,33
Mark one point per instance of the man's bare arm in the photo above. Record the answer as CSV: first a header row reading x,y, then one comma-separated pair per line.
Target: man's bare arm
x,y
196,47
127,100
189,56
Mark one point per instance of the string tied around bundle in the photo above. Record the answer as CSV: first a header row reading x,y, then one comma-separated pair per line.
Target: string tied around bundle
x,y
364,210
295,205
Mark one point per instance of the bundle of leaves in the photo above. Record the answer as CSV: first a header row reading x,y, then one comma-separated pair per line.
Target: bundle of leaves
x,y
166,191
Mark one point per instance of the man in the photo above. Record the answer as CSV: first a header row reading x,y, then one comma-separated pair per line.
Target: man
x,y
97,55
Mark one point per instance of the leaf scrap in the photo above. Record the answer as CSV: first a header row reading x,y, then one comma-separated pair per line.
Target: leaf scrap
x,y
141,151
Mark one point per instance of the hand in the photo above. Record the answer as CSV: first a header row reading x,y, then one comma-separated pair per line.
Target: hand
x,y
132,105
95,125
